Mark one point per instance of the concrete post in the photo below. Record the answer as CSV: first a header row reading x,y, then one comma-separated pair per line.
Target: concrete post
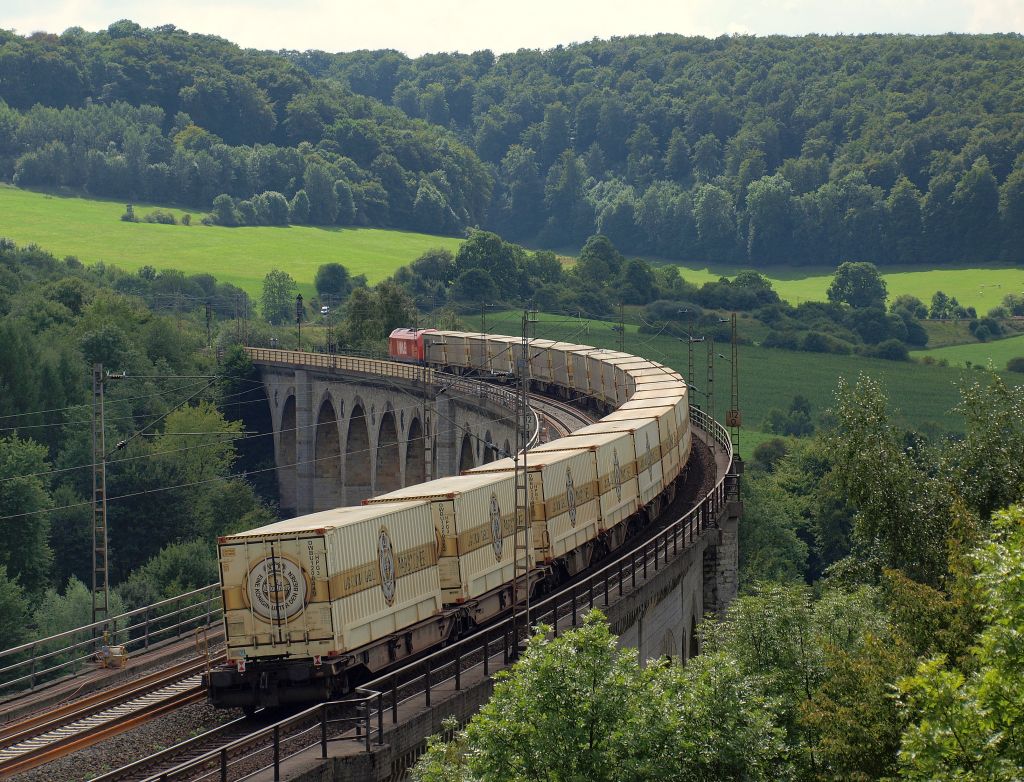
x,y
447,437
304,443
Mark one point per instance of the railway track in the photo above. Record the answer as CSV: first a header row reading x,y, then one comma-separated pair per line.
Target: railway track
x,y
247,750
47,736
43,738
183,752
562,417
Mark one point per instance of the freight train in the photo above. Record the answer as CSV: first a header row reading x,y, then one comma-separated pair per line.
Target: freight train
x,y
317,604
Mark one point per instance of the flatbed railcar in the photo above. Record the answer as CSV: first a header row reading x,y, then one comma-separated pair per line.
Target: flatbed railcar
x,y
317,604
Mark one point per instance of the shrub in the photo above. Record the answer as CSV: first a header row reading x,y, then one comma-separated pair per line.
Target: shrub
x,y
160,216
891,349
770,453
186,219
1015,364
781,339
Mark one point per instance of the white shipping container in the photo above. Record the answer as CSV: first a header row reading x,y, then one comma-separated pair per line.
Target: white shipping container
x,y
561,362
654,374
329,582
646,400
646,449
540,359
564,501
475,525
602,371
503,352
476,345
668,433
582,380
661,396
447,348
664,386
615,459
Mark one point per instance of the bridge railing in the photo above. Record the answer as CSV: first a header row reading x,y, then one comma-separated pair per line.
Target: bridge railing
x,y
377,703
72,652
367,366
397,370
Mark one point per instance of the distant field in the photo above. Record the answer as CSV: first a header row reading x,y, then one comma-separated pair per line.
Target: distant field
x,y
922,397
982,287
92,230
997,351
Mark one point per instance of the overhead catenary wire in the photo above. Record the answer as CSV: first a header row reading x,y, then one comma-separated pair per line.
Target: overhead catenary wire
x,y
115,400
191,484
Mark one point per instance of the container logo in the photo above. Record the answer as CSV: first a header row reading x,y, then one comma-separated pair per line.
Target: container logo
x,y
277,589
617,472
570,496
496,539
386,559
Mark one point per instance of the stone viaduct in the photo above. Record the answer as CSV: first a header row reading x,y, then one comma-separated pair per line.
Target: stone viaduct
x,y
343,432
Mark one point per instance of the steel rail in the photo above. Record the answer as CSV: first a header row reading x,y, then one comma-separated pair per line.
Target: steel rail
x,y
646,558
64,745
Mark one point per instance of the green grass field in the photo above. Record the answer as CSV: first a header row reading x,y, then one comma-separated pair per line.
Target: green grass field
x,y
997,351
921,397
92,230
982,287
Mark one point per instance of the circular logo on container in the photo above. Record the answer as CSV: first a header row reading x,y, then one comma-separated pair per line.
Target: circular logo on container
x,y
570,496
276,589
496,538
386,559
617,472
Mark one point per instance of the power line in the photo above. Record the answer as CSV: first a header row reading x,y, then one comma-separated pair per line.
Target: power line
x,y
134,416
191,484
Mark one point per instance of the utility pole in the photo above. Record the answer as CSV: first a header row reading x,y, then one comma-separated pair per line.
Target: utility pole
x,y
100,561
209,321
622,329
483,317
298,317
689,349
710,340
733,418
521,571
330,322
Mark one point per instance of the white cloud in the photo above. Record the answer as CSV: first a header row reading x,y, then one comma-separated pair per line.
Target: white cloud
x,y
415,26
997,16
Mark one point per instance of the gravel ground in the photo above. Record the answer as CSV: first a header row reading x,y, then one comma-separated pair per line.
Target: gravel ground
x,y
128,747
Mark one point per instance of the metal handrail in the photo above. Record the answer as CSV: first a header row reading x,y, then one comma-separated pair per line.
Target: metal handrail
x,y
83,651
138,628
583,595
395,369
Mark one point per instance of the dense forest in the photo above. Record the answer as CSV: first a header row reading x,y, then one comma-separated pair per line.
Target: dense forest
x,y
891,149
183,460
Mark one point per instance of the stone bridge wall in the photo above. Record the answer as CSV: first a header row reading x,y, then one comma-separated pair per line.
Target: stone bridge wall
x,y
339,438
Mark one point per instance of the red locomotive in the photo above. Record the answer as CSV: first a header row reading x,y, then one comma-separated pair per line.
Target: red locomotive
x,y
407,344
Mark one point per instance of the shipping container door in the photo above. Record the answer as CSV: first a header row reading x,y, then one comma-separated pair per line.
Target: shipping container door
x,y
287,594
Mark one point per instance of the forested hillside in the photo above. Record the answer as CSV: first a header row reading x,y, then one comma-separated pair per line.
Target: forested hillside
x,y
772,150
893,149
165,116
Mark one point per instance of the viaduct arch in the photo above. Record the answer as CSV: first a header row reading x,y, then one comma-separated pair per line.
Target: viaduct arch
x,y
342,437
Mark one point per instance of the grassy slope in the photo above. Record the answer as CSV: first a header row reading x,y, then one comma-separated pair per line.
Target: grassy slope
x,y
92,230
998,352
982,287
922,396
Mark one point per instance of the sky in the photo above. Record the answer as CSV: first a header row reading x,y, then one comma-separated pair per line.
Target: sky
x,y
467,25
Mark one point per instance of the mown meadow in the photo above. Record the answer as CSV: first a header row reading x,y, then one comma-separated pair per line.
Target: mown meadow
x,y
92,230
